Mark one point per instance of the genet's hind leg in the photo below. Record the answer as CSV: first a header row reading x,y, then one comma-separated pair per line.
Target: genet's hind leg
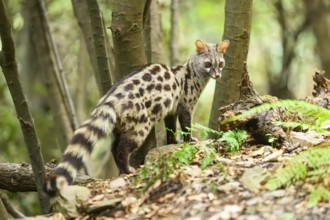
x,y
122,152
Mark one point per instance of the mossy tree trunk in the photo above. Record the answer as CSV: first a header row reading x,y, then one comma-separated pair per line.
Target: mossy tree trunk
x,y
238,17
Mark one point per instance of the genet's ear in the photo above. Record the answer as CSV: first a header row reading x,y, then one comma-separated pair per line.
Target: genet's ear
x,y
200,46
222,47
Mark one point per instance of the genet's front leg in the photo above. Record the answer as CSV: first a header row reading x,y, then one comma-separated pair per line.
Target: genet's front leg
x,y
170,123
185,123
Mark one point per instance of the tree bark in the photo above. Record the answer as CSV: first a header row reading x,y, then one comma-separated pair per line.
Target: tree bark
x,y
174,39
238,16
317,15
47,64
10,71
154,53
127,35
99,45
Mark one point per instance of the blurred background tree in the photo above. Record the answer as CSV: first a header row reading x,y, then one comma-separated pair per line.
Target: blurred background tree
x,y
288,40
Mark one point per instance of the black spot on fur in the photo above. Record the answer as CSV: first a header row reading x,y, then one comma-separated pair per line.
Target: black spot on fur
x,y
131,96
129,86
158,99
155,69
80,139
156,109
192,89
119,95
137,95
174,86
137,106
143,118
136,81
164,66
146,77
158,87
167,87
75,161
160,79
141,91
167,102
150,87
132,119
176,68
148,104
109,104
141,133
167,75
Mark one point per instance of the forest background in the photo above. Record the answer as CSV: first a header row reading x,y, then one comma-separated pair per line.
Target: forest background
x,y
286,45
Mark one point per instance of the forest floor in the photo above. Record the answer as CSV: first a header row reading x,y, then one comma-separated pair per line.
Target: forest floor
x,y
231,188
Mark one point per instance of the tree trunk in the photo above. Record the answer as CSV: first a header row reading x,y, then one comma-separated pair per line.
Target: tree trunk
x,y
154,52
174,40
238,16
47,64
10,71
317,15
127,34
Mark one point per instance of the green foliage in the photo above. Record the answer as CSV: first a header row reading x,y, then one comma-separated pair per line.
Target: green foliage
x,y
315,117
312,166
168,164
233,139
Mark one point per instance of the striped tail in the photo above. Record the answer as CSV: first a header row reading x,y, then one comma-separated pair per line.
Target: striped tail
x,y
100,125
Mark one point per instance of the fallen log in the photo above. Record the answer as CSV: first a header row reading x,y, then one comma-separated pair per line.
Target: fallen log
x,y
19,177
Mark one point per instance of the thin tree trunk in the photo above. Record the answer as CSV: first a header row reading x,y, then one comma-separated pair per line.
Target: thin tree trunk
x,y
47,64
10,71
317,14
238,16
99,45
80,10
154,53
60,79
174,40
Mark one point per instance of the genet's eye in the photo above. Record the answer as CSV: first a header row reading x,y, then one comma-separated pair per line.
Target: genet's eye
x,y
221,64
207,64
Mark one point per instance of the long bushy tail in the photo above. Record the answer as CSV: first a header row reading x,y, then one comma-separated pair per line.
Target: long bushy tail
x,y
98,126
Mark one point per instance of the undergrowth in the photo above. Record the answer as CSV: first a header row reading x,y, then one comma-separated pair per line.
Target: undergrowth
x,y
311,166
162,168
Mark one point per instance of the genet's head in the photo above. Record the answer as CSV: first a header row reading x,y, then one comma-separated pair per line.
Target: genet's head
x,y
209,59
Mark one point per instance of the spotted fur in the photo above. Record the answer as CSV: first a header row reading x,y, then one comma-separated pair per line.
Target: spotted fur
x,y
131,108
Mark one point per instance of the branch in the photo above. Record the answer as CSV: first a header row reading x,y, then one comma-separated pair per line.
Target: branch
x,y
10,71
19,177
99,45
10,208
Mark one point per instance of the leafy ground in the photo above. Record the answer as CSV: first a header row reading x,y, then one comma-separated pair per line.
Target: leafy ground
x,y
211,183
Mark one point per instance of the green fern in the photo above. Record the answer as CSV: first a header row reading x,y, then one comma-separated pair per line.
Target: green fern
x,y
312,166
318,117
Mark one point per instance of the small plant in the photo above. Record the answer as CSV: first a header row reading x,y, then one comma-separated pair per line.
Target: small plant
x,y
233,139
